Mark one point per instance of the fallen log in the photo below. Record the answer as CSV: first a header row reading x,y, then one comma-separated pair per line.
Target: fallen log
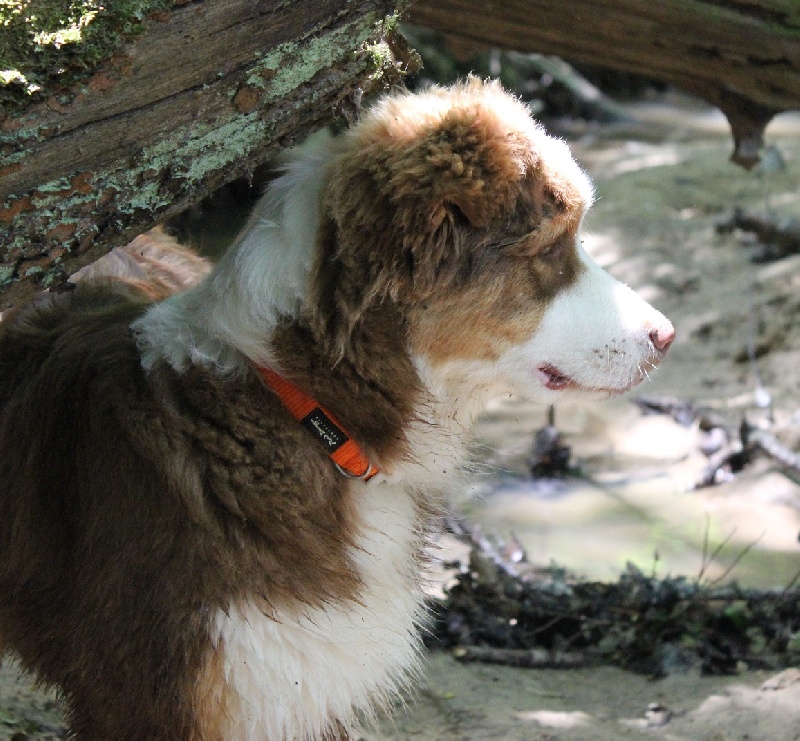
x,y
743,57
205,93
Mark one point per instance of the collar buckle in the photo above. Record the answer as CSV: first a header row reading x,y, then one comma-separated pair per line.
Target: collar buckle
x,y
366,476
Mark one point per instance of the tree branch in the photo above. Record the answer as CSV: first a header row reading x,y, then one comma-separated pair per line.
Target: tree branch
x,y
743,57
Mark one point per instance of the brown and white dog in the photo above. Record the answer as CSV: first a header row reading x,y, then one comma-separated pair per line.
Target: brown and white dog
x,y
180,555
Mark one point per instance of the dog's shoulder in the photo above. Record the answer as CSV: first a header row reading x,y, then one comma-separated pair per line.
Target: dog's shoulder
x,y
76,350
50,312
215,450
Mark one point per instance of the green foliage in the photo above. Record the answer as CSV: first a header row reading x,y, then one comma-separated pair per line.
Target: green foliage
x,y
48,45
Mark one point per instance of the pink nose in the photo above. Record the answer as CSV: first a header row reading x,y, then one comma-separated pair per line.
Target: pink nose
x,y
662,337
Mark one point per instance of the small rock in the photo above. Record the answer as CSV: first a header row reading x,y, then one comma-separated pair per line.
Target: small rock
x,y
657,715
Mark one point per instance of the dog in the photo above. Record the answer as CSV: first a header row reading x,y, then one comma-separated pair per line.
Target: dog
x,y
214,508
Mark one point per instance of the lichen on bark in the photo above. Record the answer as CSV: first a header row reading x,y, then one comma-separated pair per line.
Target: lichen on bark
x,y
208,92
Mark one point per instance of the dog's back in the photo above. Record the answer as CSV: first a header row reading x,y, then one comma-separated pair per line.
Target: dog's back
x,y
54,576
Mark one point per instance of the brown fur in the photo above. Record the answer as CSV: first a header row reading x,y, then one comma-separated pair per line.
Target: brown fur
x,y
422,218
225,514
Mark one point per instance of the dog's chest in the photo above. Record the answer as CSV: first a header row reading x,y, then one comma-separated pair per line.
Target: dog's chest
x,y
289,676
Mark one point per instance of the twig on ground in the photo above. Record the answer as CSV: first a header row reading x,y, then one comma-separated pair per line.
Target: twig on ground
x,y
682,411
483,549
769,444
742,445
532,658
727,572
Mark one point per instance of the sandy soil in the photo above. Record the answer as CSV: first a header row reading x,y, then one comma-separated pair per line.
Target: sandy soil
x,y
459,703
662,184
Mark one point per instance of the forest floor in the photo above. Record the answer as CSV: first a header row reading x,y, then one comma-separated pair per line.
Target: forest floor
x,y
663,183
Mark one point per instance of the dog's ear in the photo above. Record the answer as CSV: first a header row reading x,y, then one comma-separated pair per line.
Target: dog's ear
x,y
399,199
462,173
468,163
352,273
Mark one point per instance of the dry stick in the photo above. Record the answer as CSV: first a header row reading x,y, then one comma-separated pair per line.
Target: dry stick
x,y
533,658
709,559
725,542
754,438
704,563
769,444
473,535
549,624
737,447
787,589
738,558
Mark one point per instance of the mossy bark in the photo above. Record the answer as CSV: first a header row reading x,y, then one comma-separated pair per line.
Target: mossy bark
x,y
49,46
209,90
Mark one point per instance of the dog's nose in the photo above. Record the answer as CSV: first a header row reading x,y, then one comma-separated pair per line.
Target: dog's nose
x,y
662,337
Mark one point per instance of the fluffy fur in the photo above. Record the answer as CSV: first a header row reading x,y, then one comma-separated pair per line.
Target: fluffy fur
x,y
176,552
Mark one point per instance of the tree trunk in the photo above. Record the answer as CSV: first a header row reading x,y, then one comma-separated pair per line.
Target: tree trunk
x,y
210,90
741,55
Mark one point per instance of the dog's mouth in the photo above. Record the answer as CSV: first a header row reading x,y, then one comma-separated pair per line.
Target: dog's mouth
x,y
552,378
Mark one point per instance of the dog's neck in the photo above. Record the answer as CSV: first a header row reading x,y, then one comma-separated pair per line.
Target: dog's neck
x,y
372,389
253,310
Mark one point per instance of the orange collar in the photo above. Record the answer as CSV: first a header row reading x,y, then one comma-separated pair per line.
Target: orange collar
x,y
341,448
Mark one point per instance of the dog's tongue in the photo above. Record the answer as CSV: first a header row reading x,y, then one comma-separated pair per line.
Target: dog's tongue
x,y
553,378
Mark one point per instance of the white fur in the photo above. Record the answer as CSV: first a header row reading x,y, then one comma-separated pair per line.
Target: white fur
x,y
456,393
596,332
295,670
263,276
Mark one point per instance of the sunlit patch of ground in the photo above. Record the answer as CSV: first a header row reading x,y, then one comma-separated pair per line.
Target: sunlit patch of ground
x,y
464,702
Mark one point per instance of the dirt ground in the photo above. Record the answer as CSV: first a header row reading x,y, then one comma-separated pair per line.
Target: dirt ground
x,y
465,702
663,181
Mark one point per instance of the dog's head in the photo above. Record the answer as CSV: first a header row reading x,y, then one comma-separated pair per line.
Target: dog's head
x,y
456,210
